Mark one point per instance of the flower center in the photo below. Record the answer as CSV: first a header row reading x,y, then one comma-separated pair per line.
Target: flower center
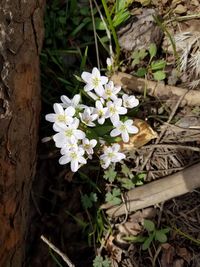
x,y
113,110
69,132
95,81
61,118
73,155
108,92
111,154
122,128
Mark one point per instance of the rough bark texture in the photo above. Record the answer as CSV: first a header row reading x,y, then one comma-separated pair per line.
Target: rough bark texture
x,y
21,35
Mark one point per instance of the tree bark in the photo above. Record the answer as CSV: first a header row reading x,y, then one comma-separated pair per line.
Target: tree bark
x,y
21,35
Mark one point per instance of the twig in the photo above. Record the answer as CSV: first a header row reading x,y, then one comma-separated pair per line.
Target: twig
x,y
164,129
54,248
95,35
197,149
106,28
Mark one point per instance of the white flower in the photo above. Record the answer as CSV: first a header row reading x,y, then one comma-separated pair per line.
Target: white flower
x,y
123,129
101,111
111,91
74,102
94,81
115,109
67,132
71,144
87,117
130,101
88,145
111,155
61,116
75,157
109,62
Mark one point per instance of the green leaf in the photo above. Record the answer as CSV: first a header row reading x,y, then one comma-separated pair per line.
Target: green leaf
x,y
126,171
102,130
100,262
136,54
120,5
120,17
152,50
147,242
134,239
142,53
136,61
127,183
141,72
149,225
159,75
160,236
113,198
158,65
110,174
87,201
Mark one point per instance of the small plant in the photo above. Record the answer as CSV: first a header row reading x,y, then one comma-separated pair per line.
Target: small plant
x,y
159,235
80,128
114,197
100,262
155,68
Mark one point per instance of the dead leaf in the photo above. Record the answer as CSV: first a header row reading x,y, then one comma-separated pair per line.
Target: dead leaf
x,y
130,228
138,216
145,135
167,255
178,263
184,253
114,251
180,9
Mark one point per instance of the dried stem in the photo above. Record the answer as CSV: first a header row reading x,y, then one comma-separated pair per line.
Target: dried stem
x,y
54,248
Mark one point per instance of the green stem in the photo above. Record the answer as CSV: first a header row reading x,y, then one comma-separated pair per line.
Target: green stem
x,y
112,30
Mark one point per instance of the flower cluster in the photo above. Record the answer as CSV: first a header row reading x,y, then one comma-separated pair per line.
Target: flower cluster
x,y
72,119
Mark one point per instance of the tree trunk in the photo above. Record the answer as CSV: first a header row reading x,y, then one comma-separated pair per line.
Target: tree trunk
x,y
21,35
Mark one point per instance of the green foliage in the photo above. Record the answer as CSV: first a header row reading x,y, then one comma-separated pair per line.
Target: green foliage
x,y
155,68
159,235
113,197
110,174
100,262
154,234
89,200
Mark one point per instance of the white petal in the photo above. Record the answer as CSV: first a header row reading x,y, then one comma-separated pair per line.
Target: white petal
x,y
64,160
115,132
128,122
104,79
122,110
93,142
74,165
79,134
86,76
75,123
98,104
58,108
101,120
114,118
65,100
133,129
88,87
76,99
82,160
70,111
99,90
51,117
59,127
96,72
115,147
125,136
